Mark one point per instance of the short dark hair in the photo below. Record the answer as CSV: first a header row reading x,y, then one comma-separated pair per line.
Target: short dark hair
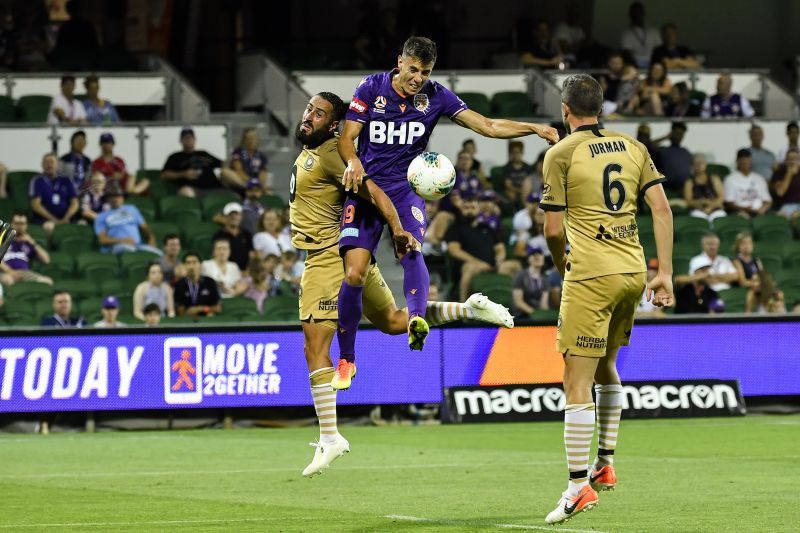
x,y
16,214
678,125
682,87
466,142
67,77
91,79
669,26
168,237
791,125
337,114
583,94
79,133
56,292
421,48
516,144
187,255
152,307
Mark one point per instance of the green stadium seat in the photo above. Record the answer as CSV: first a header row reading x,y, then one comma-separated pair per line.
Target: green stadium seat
x,y
791,249
279,308
734,222
28,291
792,262
68,230
685,222
213,202
146,205
62,266
273,201
687,248
239,306
771,261
169,205
8,113
715,169
497,177
512,104
488,280
89,306
88,263
158,188
18,309
768,247
18,183
500,295
163,228
478,102
735,299
43,308
134,265
33,107
80,288
545,314
38,233
771,227
644,223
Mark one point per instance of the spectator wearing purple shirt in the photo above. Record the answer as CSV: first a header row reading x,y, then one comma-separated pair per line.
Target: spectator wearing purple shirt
x,y
75,165
726,103
467,184
16,265
53,197
93,200
247,162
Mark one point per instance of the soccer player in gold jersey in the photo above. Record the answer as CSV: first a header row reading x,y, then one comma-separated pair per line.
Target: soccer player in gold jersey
x,y
593,180
316,199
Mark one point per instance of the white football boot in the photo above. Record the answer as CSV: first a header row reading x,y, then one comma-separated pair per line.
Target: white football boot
x,y
325,454
486,310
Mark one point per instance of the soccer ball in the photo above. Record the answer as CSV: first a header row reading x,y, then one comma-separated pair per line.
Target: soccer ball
x,y
431,175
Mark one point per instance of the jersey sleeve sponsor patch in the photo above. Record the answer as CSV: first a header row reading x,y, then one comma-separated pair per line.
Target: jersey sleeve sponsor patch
x,y
358,106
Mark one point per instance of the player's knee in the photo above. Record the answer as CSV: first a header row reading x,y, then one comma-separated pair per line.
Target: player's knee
x,y
356,275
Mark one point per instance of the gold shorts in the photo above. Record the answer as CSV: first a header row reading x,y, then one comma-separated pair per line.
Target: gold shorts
x,y
597,314
321,281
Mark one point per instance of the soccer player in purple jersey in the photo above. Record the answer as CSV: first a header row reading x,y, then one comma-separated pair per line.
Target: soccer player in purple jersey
x,y
393,115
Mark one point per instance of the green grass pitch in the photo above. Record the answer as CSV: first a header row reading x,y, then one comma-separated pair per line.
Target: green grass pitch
x,y
721,474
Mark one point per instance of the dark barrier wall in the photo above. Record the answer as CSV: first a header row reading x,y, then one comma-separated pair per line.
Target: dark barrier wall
x,y
65,370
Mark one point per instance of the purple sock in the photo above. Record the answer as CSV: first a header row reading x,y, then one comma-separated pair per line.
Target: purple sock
x,y
349,316
415,283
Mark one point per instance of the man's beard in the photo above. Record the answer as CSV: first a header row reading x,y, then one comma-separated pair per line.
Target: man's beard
x,y
313,139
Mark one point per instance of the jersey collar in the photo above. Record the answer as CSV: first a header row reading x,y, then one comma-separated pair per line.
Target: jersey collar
x,y
594,128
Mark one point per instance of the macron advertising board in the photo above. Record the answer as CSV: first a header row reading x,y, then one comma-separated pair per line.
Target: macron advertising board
x,y
138,369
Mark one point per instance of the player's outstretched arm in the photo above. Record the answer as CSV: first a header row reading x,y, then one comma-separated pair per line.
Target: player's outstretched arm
x,y
499,128
354,173
403,240
660,287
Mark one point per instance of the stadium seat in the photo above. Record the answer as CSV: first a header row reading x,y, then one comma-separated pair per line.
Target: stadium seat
x,y
735,299
213,202
772,261
134,265
169,205
28,291
199,235
279,308
34,107
62,266
478,102
771,227
792,262
38,233
8,113
497,178
273,201
715,169
89,306
80,288
146,205
488,280
239,306
18,182
63,231
104,265
15,310
500,295
690,229
790,249
163,228
158,188
512,104
687,248
545,314
729,227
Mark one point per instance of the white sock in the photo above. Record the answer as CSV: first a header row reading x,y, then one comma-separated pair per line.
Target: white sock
x,y
438,313
579,421
324,403
609,409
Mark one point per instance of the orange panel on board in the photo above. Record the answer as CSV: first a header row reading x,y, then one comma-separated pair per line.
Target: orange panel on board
x,y
524,355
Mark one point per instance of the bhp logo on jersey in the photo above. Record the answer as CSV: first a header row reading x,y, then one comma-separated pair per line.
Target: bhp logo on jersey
x,y
392,133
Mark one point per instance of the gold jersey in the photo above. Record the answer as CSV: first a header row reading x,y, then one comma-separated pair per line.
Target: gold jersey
x,y
598,176
316,196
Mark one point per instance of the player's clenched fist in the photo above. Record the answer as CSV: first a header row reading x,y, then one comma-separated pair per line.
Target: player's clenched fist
x,y
547,133
404,242
353,175
659,291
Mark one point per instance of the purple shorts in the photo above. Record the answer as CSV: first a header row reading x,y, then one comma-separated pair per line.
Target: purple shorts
x,y
362,224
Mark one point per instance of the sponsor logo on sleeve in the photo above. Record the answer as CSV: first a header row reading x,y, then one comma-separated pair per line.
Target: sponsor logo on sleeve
x,y
358,106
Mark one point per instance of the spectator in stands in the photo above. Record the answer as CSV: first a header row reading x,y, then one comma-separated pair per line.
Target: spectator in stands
x,y
643,135
467,184
241,240
673,55
763,159
639,40
627,93
786,186
654,91
248,162
531,287
93,201
646,309
196,295
152,315
765,297
290,270
792,135
271,238
726,103
226,273
53,197
113,167
110,311
255,284
120,229
65,109
681,103
475,248
611,80
62,312
98,110
696,296
489,212
75,165
252,208
154,290
171,266
192,169
16,264
746,193
3,181
543,51
518,175
569,33
528,229
675,161
469,146
722,272
747,265
703,193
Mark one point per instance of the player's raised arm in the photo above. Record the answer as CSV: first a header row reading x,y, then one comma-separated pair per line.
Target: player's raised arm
x,y
354,173
499,128
660,287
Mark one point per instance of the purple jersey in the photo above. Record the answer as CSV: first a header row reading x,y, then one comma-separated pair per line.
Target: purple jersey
x,y
252,164
19,255
396,128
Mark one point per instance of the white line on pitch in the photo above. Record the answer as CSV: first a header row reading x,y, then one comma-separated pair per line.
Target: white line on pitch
x,y
149,522
407,518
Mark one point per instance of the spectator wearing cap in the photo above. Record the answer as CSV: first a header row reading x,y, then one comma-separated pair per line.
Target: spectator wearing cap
x,y
65,109
22,252
98,110
62,312
675,161
518,176
113,167
53,197
531,287
646,307
196,295
192,169
75,165
792,136
252,208
226,273
721,273
153,290
93,201
703,192
475,248
119,230
697,296
110,311
271,239
763,159
247,162
746,193
241,240
786,186
152,315
489,212
726,103
523,222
